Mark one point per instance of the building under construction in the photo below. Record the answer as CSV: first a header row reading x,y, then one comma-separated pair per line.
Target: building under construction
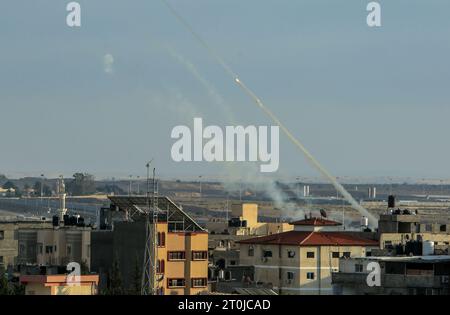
x,y
171,259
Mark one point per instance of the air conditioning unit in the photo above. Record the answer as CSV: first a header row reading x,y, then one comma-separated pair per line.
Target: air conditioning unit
x,y
445,279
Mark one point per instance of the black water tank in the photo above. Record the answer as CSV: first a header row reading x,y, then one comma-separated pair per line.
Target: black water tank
x,y
73,220
66,219
391,201
80,221
55,220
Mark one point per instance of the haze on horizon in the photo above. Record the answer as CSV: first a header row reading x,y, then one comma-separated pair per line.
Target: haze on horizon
x,y
104,98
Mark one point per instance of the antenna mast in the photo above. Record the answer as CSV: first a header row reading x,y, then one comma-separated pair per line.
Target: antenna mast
x,y
149,272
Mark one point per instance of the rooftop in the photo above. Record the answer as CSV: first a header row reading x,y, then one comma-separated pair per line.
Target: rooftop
x,y
50,280
409,259
305,238
315,222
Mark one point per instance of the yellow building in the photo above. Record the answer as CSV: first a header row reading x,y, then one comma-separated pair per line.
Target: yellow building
x,y
302,261
244,222
182,251
182,261
59,285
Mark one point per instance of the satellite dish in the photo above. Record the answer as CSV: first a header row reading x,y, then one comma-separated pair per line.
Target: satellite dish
x,y
323,213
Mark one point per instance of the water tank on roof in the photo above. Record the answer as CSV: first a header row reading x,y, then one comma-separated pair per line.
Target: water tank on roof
x,y
428,248
364,222
391,201
55,220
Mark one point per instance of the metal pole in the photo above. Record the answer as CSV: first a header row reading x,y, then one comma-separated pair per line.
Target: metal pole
x,y
42,190
129,188
113,186
138,187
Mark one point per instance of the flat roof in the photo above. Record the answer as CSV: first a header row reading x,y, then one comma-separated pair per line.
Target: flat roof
x,y
415,259
51,280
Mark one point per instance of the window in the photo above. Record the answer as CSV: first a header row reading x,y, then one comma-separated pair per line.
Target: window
x,y
22,249
310,255
291,253
358,268
310,275
267,253
388,244
335,255
161,239
48,249
55,249
428,227
1,259
232,262
290,275
346,254
40,248
176,283
176,255
199,255
251,251
443,228
2,235
160,267
199,282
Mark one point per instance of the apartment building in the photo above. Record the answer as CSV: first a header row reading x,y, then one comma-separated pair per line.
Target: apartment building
x,y
11,237
182,251
416,275
402,232
301,261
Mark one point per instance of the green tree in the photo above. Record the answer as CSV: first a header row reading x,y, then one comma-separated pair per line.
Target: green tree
x,y
18,289
46,190
15,191
9,185
137,278
81,184
4,285
114,286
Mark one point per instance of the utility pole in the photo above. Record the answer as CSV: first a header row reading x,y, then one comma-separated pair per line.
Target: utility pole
x,y
138,187
240,190
113,186
149,270
42,190
129,188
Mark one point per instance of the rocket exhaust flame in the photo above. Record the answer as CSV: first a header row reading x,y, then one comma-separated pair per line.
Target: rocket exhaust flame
x,y
372,220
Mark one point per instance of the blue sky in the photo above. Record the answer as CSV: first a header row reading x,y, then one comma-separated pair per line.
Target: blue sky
x,y
364,101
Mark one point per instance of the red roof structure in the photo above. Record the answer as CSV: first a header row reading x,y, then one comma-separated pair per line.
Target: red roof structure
x,y
316,222
305,238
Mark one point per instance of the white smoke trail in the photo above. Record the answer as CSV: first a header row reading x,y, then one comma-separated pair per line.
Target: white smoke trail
x,y
372,220
236,170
